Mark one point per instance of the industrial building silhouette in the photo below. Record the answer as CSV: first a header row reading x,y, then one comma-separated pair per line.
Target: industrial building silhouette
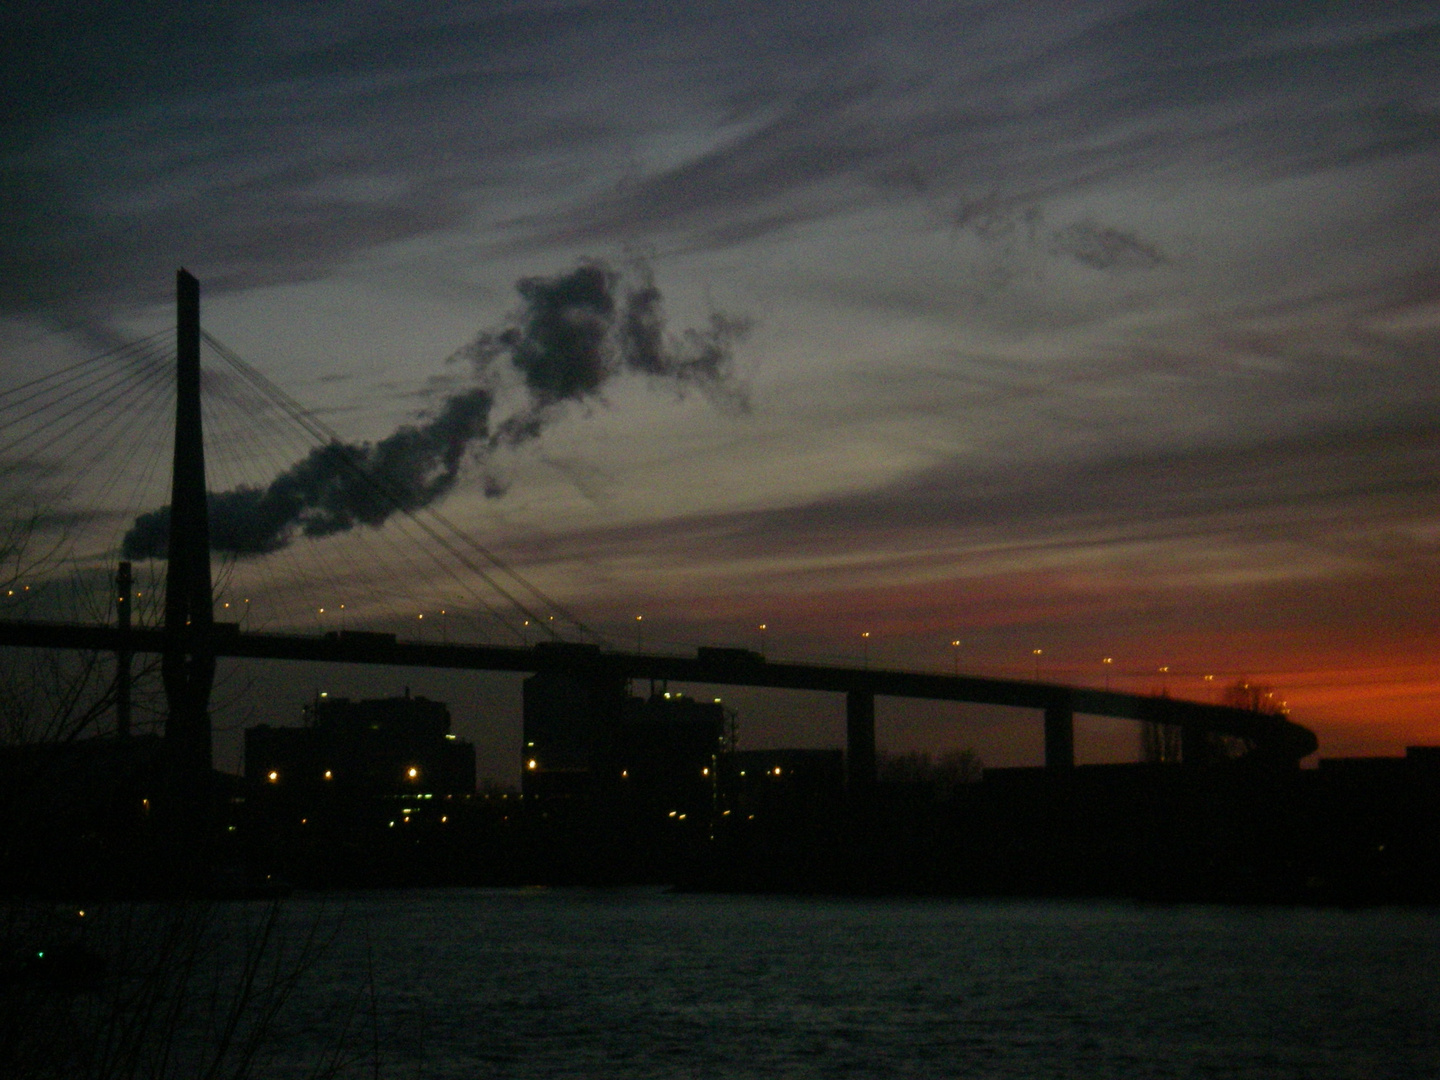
x,y
379,747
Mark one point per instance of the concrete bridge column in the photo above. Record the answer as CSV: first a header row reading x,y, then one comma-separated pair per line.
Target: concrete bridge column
x,y
1194,749
1059,736
860,739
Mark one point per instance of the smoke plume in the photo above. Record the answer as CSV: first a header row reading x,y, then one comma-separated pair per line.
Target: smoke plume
x,y
571,335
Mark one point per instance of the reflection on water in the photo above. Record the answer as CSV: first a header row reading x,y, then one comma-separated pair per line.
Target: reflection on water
x,y
634,983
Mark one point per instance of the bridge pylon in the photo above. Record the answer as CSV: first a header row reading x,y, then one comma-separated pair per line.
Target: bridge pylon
x,y
188,662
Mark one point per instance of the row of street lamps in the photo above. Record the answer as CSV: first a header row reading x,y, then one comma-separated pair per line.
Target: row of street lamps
x,y
1106,662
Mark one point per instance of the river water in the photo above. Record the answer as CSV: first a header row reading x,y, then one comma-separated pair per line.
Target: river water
x,y
641,983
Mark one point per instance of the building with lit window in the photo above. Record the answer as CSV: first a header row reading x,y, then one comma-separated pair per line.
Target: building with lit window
x,y
785,782
588,738
385,746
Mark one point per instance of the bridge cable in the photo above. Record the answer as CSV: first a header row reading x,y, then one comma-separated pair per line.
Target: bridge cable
x,y
323,432
406,554
260,446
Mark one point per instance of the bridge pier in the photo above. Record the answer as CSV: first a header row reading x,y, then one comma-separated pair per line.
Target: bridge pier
x,y
860,739
124,587
1059,736
1194,748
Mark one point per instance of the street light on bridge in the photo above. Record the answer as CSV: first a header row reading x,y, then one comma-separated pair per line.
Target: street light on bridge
x,y
1036,653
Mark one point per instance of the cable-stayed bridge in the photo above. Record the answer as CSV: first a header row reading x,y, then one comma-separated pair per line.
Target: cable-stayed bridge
x,y
361,520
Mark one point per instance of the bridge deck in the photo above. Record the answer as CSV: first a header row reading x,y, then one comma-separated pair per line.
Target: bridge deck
x,y
1275,734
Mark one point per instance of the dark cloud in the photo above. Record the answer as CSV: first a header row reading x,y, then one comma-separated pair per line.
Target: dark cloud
x,y
1102,248
576,331
1324,491
1057,106
572,334
273,142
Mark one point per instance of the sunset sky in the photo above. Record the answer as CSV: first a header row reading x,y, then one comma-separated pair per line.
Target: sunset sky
x,y
1107,329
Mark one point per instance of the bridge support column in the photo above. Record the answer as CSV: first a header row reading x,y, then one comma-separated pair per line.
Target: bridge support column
x,y
860,739
1059,736
1194,749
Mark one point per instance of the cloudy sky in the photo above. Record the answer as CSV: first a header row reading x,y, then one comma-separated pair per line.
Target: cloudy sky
x,y
1106,329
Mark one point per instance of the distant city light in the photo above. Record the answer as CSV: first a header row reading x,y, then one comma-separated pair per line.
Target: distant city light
x,y
532,764
412,772
273,776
